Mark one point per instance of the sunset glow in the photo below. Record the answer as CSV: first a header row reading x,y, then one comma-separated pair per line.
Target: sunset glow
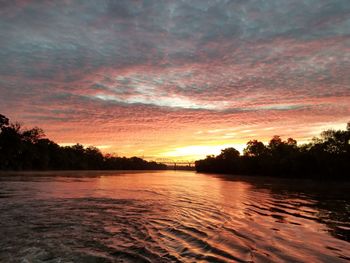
x,y
176,80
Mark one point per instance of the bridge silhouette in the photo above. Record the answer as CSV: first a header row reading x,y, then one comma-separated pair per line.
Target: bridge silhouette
x,y
177,164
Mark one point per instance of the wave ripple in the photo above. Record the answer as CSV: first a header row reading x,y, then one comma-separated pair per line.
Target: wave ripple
x,y
173,218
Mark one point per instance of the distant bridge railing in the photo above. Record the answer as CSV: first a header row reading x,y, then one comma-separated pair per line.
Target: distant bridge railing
x,y
178,164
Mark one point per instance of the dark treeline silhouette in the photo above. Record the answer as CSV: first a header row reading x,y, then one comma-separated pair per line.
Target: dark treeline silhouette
x,y
327,157
30,150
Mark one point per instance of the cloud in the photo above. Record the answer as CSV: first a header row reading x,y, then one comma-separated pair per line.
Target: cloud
x,y
151,75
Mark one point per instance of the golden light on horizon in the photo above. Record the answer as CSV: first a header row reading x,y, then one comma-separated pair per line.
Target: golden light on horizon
x,y
194,144
195,152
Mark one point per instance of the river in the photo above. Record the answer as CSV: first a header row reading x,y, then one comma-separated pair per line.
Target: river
x,y
171,216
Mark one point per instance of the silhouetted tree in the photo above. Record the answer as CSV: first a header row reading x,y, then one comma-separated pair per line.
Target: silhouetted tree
x,y
29,150
325,157
33,135
229,154
255,148
3,121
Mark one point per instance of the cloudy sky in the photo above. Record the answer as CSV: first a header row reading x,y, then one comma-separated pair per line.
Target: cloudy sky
x,y
174,78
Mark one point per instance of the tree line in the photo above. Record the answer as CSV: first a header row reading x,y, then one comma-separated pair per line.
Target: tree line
x,y
325,157
28,149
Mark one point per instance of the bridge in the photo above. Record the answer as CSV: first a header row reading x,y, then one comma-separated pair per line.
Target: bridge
x,y
177,165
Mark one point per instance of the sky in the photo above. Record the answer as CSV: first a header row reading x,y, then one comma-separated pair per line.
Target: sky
x,y
175,79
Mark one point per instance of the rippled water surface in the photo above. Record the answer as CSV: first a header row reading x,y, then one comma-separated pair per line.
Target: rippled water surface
x,y
170,216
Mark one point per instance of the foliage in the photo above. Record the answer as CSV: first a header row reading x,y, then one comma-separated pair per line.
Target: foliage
x,y
30,150
327,157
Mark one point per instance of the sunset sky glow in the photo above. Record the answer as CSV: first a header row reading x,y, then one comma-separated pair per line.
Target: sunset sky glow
x,y
175,79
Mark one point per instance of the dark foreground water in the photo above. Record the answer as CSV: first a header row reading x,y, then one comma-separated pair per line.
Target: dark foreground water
x,y
170,217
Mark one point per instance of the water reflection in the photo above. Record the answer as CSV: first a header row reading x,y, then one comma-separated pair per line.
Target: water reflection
x,y
171,217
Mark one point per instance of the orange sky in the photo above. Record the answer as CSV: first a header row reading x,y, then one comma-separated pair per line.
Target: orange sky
x,y
193,145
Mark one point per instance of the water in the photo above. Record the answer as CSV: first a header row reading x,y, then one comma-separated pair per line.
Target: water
x,y
170,217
